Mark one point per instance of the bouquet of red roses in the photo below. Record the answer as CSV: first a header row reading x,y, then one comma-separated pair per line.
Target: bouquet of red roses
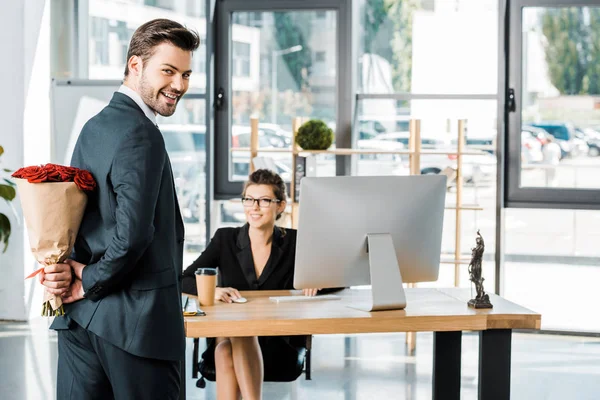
x,y
53,200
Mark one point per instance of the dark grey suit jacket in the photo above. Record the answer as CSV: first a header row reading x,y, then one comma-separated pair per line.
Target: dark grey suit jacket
x,y
131,237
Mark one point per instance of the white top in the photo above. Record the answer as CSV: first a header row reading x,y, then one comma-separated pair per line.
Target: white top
x,y
551,153
138,100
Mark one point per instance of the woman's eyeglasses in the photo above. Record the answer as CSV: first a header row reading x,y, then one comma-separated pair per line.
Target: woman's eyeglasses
x,y
262,202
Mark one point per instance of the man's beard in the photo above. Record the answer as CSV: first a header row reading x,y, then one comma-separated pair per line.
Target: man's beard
x,y
151,97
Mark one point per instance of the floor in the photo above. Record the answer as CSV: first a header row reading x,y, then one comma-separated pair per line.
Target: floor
x,y
375,366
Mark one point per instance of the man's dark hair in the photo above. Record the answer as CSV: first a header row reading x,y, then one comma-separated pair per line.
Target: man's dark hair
x,y
158,31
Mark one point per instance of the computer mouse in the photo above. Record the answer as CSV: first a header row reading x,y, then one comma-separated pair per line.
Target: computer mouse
x,y
240,300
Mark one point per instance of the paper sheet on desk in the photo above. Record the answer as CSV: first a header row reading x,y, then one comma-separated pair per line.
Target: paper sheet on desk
x,y
190,308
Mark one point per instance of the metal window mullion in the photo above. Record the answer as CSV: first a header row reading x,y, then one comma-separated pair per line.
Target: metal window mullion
x,y
209,118
82,39
501,138
345,82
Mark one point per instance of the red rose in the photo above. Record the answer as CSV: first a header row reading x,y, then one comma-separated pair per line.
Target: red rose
x,y
66,173
84,180
34,174
18,173
52,172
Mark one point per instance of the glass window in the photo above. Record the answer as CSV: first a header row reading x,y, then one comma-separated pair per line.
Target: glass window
x,y
199,60
560,110
195,8
427,47
112,23
241,59
273,77
383,124
551,266
184,134
257,18
99,41
166,4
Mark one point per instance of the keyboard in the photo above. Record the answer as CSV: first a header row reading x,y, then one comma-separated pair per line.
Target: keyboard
x,y
294,299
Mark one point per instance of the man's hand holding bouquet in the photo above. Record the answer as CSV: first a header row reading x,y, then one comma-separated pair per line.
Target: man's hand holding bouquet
x,y
53,199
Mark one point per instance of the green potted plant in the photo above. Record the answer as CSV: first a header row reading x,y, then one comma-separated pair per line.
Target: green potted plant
x,y
8,193
314,135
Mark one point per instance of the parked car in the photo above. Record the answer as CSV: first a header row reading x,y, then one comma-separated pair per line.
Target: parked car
x,y
426,142
539,134
580,146
369,128
378,144
592,138
186,146
240,162
366,132
476,168
267,138
565,135
379,124
276,130
485,142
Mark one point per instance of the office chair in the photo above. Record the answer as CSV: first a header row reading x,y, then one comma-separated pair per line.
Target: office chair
x,y
302,344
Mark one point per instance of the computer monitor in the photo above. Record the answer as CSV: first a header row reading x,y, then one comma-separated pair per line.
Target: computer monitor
x,y
381,231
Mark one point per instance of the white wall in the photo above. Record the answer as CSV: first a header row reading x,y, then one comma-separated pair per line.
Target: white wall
x,y
20,24
12,104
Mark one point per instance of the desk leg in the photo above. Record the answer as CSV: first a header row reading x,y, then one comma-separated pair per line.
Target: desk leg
x,y
446,365
195,370
494,364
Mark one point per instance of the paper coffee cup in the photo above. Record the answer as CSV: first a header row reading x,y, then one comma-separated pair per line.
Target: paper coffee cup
x,y
206,283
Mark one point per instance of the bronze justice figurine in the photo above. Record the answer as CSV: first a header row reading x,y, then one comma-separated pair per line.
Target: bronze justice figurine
x,y
482,300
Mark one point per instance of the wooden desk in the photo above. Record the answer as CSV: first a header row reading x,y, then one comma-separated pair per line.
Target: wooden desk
x,y
442,311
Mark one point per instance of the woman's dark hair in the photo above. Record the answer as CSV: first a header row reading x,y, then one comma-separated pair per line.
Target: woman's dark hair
x,y
267,177
158,31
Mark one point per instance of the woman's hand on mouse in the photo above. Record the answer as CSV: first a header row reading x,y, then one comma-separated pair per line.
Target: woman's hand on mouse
x,y
310,292
226,294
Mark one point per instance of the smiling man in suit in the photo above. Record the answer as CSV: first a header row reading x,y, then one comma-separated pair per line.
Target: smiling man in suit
x,y
122,336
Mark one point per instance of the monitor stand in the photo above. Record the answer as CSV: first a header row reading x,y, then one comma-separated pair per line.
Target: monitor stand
x,y
387,291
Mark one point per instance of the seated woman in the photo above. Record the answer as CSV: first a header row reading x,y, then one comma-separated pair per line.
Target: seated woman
x,y
256,256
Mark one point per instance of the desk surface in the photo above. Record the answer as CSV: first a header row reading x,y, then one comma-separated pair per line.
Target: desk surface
x,y
427,310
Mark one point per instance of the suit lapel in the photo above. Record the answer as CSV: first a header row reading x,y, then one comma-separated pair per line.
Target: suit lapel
x,y
245,259
276,254
178,217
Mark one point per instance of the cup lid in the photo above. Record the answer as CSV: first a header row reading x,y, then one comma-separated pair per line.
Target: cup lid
x,y
206,271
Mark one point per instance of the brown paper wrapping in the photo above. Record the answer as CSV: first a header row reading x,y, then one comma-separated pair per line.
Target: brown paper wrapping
x,y
53,212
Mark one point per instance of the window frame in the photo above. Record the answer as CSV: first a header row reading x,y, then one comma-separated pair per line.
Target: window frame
x,y
530,197
224,188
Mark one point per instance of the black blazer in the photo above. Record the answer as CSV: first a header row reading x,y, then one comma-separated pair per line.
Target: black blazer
x,y
131,237
230,250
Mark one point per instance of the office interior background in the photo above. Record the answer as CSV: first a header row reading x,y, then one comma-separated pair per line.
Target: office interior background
x,y
366,68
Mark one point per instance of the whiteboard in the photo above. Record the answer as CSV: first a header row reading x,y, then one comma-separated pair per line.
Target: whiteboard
x,y
73,103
